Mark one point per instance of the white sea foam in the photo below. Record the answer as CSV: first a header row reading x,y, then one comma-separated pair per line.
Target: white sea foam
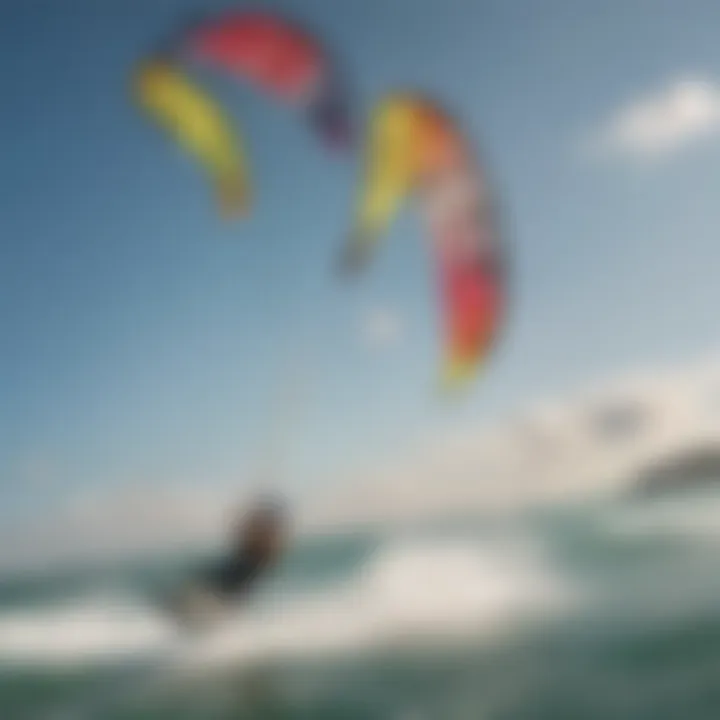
x,y
411,592
695,516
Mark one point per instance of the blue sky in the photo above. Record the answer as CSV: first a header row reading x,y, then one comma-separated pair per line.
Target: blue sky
x,y
143,340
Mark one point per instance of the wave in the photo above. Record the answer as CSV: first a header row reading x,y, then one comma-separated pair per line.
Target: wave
x,y
407,592
694,515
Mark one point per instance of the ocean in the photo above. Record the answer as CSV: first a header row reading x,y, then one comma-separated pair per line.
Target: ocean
x,y
601,611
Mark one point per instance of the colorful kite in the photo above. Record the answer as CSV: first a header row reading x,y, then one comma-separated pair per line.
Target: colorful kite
x,y
415,148
198,124
261,48
280,58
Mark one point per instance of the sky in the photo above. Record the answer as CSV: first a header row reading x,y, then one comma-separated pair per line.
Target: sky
x,y
145,342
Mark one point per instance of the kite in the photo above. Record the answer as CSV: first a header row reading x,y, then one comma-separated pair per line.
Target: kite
x,y
280,58
199,125
416,149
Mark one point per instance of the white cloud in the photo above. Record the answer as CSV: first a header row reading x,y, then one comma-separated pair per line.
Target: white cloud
x,y
382,328
553,453
658,124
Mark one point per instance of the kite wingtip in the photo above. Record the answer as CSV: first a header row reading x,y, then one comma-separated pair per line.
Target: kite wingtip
x,y
457,374
350,260
354,256
233,198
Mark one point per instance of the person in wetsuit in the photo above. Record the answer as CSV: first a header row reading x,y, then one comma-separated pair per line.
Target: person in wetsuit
x,y
258,541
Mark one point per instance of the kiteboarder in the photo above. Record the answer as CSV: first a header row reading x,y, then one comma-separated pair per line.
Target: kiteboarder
x,y
258,541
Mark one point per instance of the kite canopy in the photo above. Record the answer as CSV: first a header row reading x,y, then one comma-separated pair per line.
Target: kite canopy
x,y
415,148
280,58
198,124
261,48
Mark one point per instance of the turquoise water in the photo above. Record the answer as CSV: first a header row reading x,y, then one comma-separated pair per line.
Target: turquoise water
x,y
604,612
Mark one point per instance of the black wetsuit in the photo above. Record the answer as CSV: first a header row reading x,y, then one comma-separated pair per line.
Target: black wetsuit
x,y
233,577
228,582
